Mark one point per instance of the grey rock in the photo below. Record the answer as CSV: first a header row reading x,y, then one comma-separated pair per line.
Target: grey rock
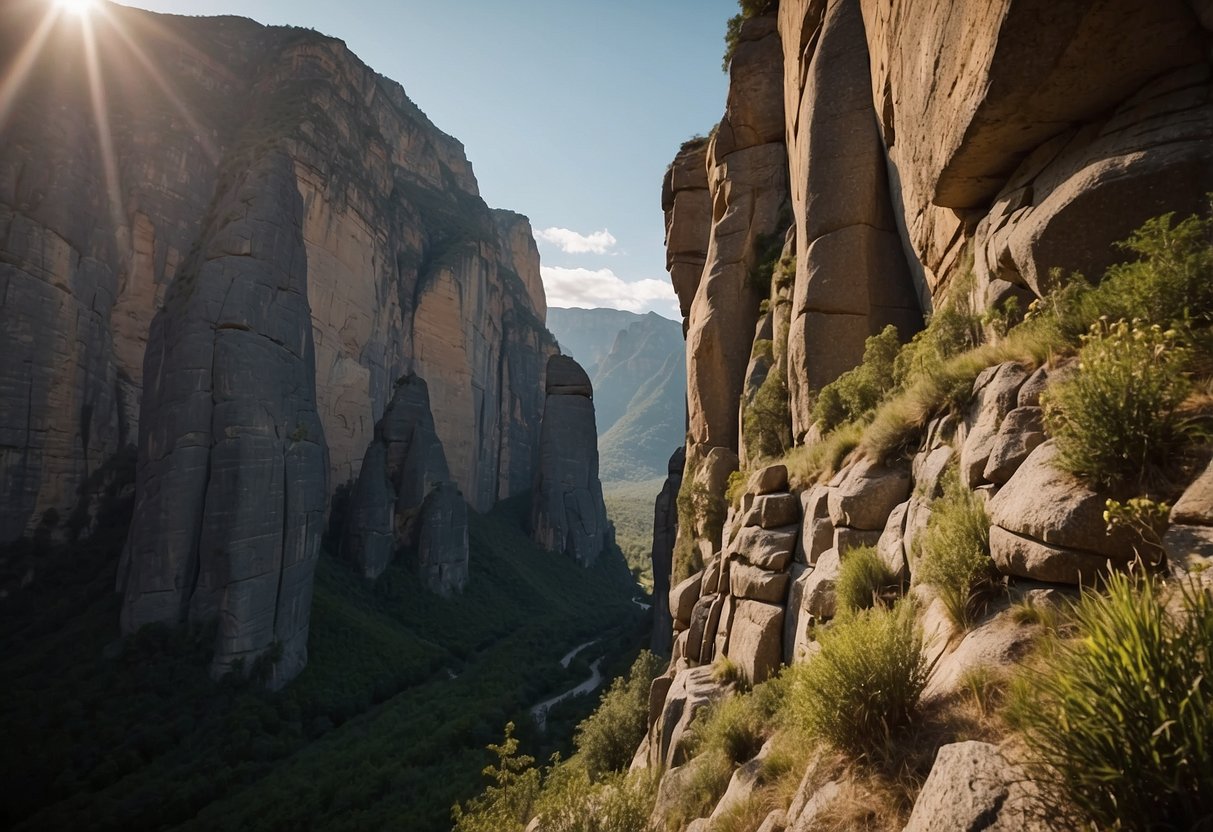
x,y
1021,433
972,786
1195,506
1182,541
768,548
929,468
891,546
768,480
846,538
665,533
996,393
865,494
816,530
442,551
757,584
567,511
684,596
794,618
232,473
692,691
771,511
756,639
819,599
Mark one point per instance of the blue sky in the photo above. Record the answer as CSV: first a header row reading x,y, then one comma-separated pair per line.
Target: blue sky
x,y
570,111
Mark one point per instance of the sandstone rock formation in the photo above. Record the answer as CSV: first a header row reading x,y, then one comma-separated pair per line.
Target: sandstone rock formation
x,y
567,512
407,269
404,497
232,471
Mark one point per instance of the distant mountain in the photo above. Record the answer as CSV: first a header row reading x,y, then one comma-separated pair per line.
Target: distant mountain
x,y
638,367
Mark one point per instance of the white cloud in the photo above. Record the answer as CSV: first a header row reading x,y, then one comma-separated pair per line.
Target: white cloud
x,y
602,287
570,242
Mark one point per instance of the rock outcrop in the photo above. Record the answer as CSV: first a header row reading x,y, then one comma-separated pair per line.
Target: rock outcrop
x,y
404,497
407,269
567,511
665,532
232,473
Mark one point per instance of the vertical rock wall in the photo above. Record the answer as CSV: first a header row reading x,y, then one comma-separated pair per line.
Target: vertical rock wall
x,y
665,532
232,476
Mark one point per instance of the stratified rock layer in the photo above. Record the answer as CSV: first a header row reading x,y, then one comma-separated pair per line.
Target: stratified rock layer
x,y
232,474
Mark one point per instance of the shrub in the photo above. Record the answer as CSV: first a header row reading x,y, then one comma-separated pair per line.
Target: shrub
x,y
708,778
1120,720
572,802
695,502
809,463
767,420
858,391
506,803
865,684
956,551
732,35
1116,420
864,580
734,728
607,739
948,333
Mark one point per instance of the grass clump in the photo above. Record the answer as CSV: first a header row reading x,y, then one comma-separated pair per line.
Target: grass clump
x,y
809,463
1120,719
864,686
956,551
864,580
857,392
607,739
1117,419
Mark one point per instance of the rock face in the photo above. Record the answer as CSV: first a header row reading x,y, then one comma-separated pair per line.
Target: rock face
x,y
665,532
567,512
407,270
232,473
404,497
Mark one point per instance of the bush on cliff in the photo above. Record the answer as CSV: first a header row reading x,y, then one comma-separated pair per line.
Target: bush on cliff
x,y
956,551
1117,419
865,684
608,738
1119,719
857,392
864,580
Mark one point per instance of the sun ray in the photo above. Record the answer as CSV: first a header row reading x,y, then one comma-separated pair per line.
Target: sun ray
x,y
154,73
101,120
14,79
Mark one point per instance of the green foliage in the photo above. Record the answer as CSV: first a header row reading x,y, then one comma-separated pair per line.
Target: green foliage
x,y
736,727
865,684
1120,719
629,507
809,463
709,777
572,802
767,420
107,733
607,739
956,551
732,34
855,393
1116,420
505,804
695,502
1144,518
948,333
864,580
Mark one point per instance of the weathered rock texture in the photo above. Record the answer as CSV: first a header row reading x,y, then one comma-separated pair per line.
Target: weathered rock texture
x,y
665,532
407,270
567,511
231,481
404,497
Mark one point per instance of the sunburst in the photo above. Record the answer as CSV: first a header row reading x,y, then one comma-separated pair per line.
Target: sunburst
x,y
80,8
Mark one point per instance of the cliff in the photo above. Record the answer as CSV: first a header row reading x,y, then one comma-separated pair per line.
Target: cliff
x,y
224,246
881,167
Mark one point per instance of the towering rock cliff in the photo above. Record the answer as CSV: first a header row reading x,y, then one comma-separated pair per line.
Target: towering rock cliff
x,y
407,269
567,511
936,153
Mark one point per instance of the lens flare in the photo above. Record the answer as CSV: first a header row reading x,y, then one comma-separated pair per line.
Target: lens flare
x,y
80,8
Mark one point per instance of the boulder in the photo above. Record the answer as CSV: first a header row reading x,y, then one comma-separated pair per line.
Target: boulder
x,y
1029,392
742,785
768,548
768,480
771,511
690,693
757,584
1195,507
865,494
928,470
756,639
794,618
565,377
1025,557
1021,433
918,514
846,538
776,821
1182,541
972,786
683,598
999,643
702,629
891,546
996,393
1047,505
818,598
816,530
815,807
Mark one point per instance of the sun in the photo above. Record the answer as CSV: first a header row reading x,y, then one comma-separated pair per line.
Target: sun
x,y
80,8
